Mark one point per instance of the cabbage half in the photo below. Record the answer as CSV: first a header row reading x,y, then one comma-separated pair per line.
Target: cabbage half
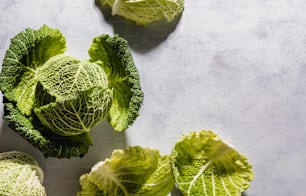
x,y
20,175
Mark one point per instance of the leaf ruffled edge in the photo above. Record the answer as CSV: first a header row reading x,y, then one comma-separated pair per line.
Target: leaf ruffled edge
x,y
28,50
114,56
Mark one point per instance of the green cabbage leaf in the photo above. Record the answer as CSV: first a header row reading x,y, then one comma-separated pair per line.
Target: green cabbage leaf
x,y
132,171
20,175
29,50
146,11
114,56
205,165
82,99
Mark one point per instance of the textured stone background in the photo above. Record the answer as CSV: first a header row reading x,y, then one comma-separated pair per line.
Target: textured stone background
x,y
236,67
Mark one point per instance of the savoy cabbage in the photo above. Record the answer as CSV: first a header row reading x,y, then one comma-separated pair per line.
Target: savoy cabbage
x,y
53,99
20,175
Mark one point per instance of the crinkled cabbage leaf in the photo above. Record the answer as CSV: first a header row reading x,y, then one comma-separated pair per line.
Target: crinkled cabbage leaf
x,y
146,11
114,56
81,97
52,145
20,175
132,171
205,165
29,50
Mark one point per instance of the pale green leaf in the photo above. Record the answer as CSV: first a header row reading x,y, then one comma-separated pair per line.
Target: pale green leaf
x,y
64,76
20,175
78,114
130,172
146,11
205,165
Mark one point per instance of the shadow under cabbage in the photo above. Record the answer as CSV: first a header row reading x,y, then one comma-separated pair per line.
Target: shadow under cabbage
x,y
176,192
66,172
105,140
140,38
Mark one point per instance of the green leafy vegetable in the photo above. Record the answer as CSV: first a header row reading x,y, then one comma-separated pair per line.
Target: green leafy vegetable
x,y
204,165
132,171
82,99
50,144
53,100
20,175
146,11
113,54
199,164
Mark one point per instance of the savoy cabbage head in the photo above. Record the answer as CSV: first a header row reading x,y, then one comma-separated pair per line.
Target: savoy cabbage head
x,y
53,99
20,175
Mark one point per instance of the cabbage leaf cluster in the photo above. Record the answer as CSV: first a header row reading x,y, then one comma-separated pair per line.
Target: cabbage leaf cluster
x,y
199,164
53,99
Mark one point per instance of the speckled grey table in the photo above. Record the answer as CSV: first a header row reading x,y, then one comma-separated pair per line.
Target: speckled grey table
x,y
236,67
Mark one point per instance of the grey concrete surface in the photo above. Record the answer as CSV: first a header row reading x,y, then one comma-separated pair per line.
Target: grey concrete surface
x,y
235,67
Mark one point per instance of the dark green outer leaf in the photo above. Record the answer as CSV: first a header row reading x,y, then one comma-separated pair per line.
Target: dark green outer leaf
x,y
48,143
114,55
28,50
